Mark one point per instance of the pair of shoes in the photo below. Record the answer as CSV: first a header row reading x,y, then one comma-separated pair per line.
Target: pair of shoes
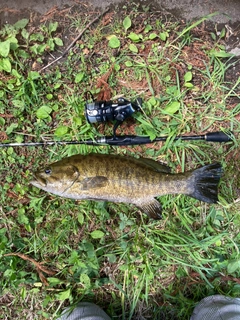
x,y
84,311
217,307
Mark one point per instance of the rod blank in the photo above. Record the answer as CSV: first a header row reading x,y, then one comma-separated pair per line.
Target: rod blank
x,y
124,140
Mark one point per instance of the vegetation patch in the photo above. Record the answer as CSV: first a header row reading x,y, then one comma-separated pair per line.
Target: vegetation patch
x,y
56,252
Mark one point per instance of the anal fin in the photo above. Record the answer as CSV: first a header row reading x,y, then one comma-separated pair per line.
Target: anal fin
x,y
153,209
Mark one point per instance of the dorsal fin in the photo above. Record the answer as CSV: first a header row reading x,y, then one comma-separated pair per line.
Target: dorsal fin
x,y
157,166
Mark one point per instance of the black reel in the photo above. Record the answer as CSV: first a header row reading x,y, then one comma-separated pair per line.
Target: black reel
x,y
104,111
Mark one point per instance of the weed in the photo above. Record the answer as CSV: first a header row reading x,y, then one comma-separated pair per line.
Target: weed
x,y
56,251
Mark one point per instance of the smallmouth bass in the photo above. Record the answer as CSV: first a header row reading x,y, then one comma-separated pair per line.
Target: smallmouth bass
x,y
125,179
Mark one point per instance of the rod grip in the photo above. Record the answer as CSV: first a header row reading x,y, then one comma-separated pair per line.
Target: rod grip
x,y
219,136
125,140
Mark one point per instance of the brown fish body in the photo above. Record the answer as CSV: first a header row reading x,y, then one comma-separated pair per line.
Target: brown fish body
x,y
117,179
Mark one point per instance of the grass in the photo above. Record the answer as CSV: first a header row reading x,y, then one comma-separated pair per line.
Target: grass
x,y
56,252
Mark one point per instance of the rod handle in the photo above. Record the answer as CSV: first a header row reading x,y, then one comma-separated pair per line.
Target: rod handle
x,y
125,140
219,136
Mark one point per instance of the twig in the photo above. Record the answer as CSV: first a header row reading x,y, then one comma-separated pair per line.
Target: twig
x,y
39,266
74,41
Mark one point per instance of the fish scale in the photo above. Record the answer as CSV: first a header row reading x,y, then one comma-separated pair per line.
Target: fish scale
x,y
126,179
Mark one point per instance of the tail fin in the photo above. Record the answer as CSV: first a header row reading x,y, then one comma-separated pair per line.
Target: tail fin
x,y
206,182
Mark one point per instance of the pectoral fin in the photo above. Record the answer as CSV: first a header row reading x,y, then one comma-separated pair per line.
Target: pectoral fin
x,y
94,182
153,208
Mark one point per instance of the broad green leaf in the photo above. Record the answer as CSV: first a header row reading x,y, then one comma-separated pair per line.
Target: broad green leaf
x,y
57,85
85,280
128,64
223,33
64,295
61,131
13,43
4,48
188,76
23,54
111,257
11,128
53,26
51,44
38,48
147,28
135,37
58,41
163,36
21,217
35,48
37,37
150,131
54,281
77,121
233,266
42,47
152,101
5,65
167,78
25,34
127,23
43,112
18,104
2,121
49,96
21,24
152,36
123,267
133,48
79,77
172,107
33,75
16,74
117,67
114,42
213,35
188,85
97,234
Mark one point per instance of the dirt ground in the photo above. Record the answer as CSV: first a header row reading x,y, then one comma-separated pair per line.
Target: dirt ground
x,y
183,9
12,11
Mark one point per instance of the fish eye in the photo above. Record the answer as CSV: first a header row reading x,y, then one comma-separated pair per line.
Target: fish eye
x,y
48,171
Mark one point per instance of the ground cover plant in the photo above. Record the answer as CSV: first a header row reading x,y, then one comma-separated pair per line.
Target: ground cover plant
x,y
56,252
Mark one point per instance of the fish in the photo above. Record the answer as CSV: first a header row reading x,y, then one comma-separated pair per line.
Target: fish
x,y
125,179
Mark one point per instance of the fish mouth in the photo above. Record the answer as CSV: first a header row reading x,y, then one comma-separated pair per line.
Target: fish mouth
x,y
38,182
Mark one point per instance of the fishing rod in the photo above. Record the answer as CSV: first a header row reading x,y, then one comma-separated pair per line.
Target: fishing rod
x,y
126,140
118,110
